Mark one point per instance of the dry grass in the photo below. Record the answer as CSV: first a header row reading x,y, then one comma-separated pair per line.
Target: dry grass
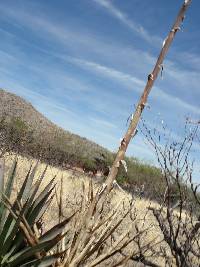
x,y
72,188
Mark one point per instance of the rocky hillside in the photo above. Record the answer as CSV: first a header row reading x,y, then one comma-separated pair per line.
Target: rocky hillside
x,y
13,106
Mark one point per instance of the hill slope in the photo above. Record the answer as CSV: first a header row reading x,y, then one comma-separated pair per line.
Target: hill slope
x,y
13,107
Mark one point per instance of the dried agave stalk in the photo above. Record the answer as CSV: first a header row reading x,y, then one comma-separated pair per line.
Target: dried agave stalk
x,y
143,100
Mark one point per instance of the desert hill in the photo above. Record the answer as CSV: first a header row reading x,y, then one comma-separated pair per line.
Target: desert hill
x,y
12,105
19,111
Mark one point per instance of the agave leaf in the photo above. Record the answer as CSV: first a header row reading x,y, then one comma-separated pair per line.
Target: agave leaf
x,y
32,194
33,203
29,183
13,249
44,208
19,239
33,191
5,229
1,190
24,185
32,263
7,237
9,184
28,212
1,175
7,192
20,196
44,192
57,229
44,262
10,252
49,260
11,228
29,252
19,236
17,242
36,210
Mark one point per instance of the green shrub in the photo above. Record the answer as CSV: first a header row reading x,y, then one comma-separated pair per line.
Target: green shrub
x,y
19,243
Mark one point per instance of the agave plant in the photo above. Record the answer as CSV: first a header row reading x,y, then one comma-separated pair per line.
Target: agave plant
x,y
19,243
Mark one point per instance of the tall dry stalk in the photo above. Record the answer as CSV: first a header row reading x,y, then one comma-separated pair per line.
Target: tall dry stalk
x,y
143,100
106,188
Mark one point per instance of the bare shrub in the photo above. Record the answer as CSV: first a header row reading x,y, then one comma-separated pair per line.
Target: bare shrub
x,y
178,215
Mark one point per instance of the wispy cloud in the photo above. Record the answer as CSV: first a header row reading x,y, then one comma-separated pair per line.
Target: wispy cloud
x,y
183,77
100,122
130,80
108,72
191,59
140,60
175,101
73,40
123,18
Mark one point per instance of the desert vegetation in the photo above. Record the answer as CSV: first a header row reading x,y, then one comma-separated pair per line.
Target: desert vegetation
x,y
17,136
88,227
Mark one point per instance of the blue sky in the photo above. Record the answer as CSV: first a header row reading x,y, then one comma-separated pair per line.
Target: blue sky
x,y
84,64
